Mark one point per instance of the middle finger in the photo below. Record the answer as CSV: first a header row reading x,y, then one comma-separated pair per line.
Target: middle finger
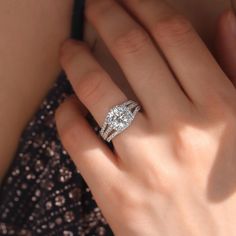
x,y
138,57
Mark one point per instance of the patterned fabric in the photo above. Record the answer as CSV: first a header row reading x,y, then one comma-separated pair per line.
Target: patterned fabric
x,y
43,194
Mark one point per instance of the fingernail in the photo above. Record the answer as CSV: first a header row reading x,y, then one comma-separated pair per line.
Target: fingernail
x,y
232,21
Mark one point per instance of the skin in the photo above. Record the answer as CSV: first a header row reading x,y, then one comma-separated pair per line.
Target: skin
x,y
29,51
33,76
226,47
209,23
173,170
29,86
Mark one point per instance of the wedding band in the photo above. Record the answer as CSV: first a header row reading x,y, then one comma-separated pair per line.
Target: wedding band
x,y
118,119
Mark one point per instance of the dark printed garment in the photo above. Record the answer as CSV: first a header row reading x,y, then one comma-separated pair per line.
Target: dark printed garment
x,y
43,194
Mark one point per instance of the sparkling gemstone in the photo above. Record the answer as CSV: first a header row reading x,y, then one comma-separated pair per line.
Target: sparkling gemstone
x,y
119,118
67,233
24,186
47,185
58,221
60,201
44,226
34,199
48,205
75,194
69,216
3,228
18,192
30,176
39,166
65,175
51,225
101,231
37,193
16,172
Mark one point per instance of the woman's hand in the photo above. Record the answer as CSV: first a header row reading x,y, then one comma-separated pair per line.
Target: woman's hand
x,y
223,47
173,170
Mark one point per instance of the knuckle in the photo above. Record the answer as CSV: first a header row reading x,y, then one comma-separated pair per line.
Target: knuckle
x,y
227,111
132,41
98,8
128,201
221,106
174,29
68,131
158,181
91,86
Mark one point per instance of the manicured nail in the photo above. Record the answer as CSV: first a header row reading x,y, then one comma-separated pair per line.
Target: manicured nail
x,y
232,21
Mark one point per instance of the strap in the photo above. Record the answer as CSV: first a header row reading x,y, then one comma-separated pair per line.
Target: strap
x,y
77,20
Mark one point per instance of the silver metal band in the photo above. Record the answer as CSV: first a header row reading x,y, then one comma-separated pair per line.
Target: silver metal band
x,y
118,119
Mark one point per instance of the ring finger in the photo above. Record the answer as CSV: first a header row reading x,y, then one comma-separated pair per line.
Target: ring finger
x,y
94,86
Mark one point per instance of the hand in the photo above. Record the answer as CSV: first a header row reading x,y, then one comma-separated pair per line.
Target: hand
x,y
173,170
224,51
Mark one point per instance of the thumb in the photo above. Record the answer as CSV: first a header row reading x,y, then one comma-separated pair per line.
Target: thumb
x,y
226,43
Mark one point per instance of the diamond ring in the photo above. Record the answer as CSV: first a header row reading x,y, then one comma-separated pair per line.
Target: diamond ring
x,y
118,119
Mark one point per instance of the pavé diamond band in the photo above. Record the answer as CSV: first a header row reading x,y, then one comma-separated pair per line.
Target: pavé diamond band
x,y
118,119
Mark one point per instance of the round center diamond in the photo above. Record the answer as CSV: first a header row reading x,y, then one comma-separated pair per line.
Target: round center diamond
x,y
119,118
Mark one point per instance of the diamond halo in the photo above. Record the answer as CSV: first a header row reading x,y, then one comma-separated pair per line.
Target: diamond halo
x,y
118,119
